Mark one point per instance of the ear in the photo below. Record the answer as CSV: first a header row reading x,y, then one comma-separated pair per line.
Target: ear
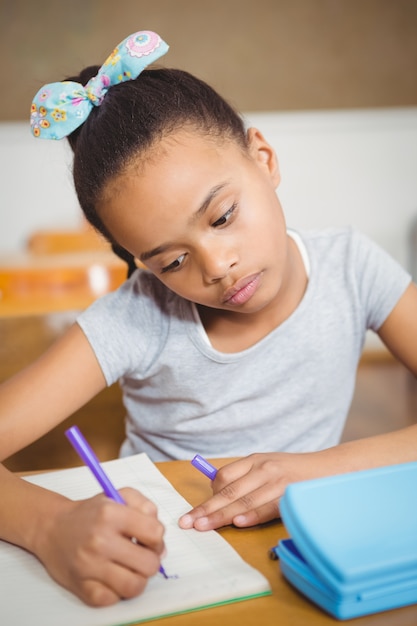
x,y
264,154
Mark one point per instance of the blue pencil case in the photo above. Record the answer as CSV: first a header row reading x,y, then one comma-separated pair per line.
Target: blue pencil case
x,y
353,546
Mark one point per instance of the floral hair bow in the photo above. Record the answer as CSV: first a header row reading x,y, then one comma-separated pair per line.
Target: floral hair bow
x,y
59,108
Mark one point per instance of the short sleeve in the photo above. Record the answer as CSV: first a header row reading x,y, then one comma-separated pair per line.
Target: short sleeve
x,y
126,327
381,279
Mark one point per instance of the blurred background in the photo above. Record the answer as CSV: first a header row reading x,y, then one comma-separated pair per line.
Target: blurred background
x,y
337,80
263,55
332,84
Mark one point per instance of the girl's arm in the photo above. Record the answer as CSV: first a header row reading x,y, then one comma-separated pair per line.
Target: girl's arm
x,y
247,491
42,395
399,331
84,545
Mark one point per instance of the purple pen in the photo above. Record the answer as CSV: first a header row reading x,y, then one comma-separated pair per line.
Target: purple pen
x,y
87,454
204,466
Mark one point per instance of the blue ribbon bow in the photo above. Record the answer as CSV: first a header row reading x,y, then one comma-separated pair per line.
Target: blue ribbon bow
x,y
59,108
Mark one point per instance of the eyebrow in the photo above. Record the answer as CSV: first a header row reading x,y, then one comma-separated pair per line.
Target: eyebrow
x,y
214,191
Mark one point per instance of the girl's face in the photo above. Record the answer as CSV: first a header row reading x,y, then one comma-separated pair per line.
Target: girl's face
x,y
204,217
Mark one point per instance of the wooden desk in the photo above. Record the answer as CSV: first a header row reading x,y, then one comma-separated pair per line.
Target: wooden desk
x,y
286,607
386,397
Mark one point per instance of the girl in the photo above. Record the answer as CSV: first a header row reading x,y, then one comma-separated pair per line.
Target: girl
x,y
239,338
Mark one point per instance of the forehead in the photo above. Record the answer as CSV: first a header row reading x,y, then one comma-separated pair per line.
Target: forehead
x,y
186,146
153,200
182,159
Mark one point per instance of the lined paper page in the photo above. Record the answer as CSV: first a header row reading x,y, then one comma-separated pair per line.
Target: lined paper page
x,y
207,569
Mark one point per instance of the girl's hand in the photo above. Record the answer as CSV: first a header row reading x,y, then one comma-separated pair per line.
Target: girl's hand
x,y
87,547
247,491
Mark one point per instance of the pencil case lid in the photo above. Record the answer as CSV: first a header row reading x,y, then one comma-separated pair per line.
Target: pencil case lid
x,y
353,538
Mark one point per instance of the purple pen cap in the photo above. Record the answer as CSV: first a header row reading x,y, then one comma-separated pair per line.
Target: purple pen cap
x,y
204,466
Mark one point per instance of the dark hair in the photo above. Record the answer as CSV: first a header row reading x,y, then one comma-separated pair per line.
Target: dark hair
x,y
133,115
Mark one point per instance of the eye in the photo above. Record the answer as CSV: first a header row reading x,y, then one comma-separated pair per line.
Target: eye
x,y
226,217
175,265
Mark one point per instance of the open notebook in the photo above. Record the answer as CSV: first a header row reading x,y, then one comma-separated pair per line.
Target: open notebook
x,y
206,570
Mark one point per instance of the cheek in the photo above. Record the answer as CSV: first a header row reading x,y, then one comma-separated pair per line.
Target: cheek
x,y
265,221
181,285
187,284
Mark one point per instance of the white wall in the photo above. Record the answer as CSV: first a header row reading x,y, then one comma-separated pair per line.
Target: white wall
x,y
36,186
355,167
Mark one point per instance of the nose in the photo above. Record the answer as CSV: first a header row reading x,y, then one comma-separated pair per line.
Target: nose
x,y
216,261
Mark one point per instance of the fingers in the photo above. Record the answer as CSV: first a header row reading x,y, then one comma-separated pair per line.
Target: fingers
x,y
247,492
261,515
89,549
96,594
112,581
136,500
249,509
143,525
112,524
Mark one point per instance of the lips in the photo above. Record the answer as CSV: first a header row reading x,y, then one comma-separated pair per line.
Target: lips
x,y
242,291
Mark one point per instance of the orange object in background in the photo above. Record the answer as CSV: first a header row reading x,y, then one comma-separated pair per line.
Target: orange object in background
x,y
63,241
60,271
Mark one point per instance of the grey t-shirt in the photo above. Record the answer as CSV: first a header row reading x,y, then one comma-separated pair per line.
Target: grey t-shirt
x,y
291,391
